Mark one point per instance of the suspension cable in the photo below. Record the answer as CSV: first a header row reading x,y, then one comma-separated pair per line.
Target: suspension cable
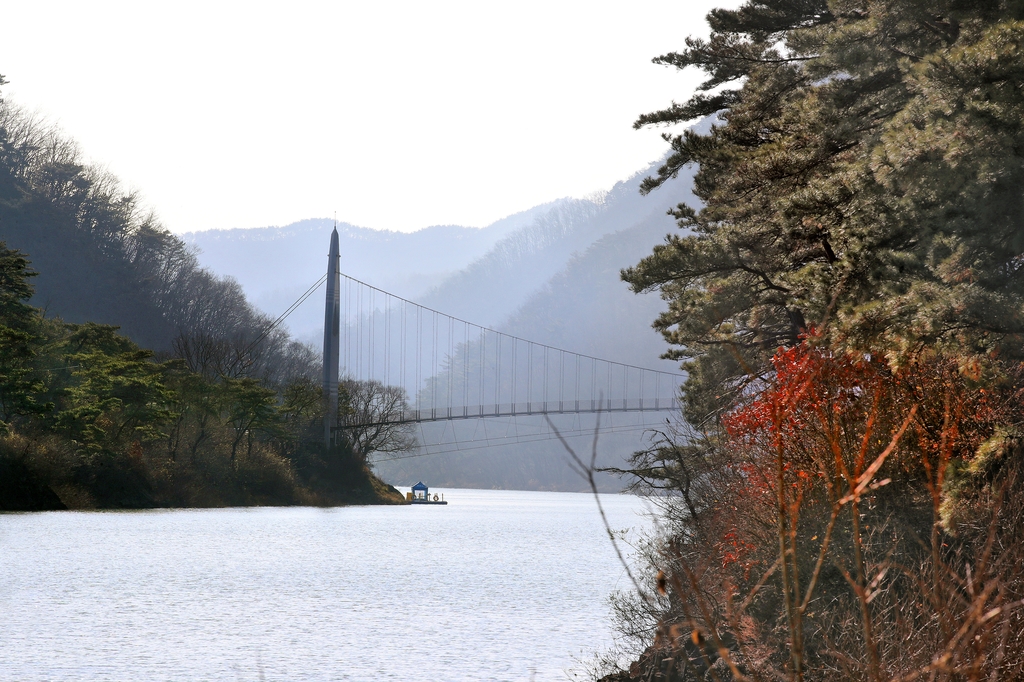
x,y
291,309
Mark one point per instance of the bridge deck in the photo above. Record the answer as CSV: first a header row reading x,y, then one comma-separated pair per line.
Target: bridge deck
x,y
534,409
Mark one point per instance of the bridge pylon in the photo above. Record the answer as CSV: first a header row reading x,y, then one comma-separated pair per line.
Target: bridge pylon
x,y
332,339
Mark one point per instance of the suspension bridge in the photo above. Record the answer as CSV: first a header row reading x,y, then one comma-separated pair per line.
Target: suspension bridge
x,y
422,365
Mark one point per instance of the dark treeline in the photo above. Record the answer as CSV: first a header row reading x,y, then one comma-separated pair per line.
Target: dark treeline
x,y
102,257
225,410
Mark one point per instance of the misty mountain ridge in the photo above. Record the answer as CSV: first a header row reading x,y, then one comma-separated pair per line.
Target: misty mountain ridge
x,y
494,287
549,274
583,307
484,275
275,265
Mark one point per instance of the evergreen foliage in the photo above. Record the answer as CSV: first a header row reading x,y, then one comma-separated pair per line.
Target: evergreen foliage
x,y
863,177
19,339
849,303
90,419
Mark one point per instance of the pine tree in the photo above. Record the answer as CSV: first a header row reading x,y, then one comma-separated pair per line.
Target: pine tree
x,y
863,177
19,339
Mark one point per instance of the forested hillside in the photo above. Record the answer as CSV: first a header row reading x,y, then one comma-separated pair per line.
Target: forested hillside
x,y
92,240
227,410
493,287
848,299
102,257
585,306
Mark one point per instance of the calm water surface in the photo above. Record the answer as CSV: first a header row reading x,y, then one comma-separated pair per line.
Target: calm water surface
x,y
498,585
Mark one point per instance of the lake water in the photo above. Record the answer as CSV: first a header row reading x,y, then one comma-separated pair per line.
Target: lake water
x,y
497,585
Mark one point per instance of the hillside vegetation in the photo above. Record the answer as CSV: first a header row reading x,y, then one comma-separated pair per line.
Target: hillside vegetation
x,y
225,410
490,290
848,301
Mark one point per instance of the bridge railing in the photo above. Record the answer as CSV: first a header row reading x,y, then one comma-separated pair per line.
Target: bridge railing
x,y
538,408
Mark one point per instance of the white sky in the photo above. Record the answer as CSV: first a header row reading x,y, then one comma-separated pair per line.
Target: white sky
x,y
396,115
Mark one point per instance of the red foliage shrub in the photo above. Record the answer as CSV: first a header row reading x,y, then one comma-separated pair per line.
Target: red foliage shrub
x,y
819,529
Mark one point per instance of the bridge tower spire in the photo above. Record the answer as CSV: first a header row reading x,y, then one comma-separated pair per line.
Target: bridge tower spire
x,y
332,339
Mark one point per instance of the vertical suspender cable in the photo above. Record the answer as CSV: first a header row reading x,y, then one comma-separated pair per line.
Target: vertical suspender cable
x,y
465,369
356,332
546,396
483,355
561,380
433,375
419,348
641,390
626,387
451,361
577,382
359,332
344,341
353,322
515,352
371,366
497,374
529,377
351,329
401,360
608,385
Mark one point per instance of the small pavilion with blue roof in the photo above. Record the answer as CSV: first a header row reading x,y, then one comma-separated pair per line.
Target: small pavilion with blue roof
x,y
421,495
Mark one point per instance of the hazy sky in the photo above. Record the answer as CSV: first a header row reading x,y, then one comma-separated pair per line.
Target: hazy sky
x,y
396,115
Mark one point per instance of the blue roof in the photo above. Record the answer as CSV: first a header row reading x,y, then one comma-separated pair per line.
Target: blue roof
x,y
419,486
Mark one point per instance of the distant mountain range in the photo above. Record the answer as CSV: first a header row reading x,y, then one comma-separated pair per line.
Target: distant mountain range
x,y
275,265
549,274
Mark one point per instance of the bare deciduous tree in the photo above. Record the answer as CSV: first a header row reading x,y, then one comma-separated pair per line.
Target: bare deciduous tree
x,y
367,415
